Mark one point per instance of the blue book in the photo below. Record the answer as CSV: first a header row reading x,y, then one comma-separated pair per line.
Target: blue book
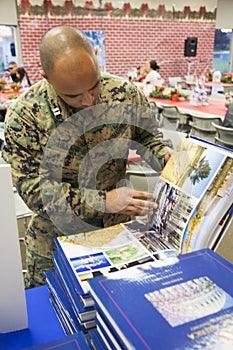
x,y
96,341
84,313
187,304
86,255
60,300
70,342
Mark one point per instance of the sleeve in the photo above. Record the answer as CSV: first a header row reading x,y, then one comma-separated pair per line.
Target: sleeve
x,y
149,139
44,194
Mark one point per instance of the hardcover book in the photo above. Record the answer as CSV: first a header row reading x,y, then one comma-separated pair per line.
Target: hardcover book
x,y
65,310
86,255
185,305
82,313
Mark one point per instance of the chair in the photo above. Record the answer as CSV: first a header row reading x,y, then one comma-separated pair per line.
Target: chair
x,y
184,85
173,81
157,111
173,119
141,176
224,136
228,88
201,126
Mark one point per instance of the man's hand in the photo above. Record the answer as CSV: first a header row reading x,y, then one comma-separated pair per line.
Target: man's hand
x,y
124,200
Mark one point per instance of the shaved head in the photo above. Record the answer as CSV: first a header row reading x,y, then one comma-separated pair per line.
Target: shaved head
x,y
70,65
60,42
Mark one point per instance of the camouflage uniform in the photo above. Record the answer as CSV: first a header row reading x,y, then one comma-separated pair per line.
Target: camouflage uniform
x,y
46,166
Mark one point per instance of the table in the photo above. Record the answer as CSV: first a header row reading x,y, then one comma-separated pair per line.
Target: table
x,y
43,325
213,87
5,96
216,108
217,87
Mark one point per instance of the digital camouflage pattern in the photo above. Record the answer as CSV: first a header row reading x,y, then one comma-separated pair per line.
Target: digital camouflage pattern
x,y
63,176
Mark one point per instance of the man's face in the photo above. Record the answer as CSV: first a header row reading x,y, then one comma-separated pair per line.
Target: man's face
x,y
77,80
12,68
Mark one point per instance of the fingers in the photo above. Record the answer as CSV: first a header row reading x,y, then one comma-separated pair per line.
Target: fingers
x,y
136,211
130,202
142,195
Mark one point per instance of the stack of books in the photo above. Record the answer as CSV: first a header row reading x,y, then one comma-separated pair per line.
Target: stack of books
x,y
194,195
184,305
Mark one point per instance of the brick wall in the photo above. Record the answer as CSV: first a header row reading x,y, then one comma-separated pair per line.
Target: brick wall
x,y
129,42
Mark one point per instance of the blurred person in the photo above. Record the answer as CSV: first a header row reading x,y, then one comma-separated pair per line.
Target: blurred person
x,y
153,77
10,74
228,120
141,74
23,78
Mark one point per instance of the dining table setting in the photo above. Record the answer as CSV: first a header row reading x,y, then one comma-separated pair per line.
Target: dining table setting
x,y
215,107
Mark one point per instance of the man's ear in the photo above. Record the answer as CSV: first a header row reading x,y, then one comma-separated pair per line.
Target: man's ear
x,y
44,75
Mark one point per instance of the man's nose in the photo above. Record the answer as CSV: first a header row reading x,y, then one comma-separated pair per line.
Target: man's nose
x,y
87,99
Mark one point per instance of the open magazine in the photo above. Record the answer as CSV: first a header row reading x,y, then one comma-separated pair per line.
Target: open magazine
x,y
194,195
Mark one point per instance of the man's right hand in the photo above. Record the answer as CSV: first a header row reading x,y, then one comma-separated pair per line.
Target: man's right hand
x,y
125,200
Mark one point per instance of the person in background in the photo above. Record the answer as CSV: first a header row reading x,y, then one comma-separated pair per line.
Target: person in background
x,y
10,75
141,74
72,84
228,120
153,77
23,78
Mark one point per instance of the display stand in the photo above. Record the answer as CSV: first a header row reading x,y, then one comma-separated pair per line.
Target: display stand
x,y
13,310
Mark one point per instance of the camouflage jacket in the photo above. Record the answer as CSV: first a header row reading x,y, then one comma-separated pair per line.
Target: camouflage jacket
x,y
64,160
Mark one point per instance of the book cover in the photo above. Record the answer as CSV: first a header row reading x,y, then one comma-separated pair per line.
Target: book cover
x,y
86,255
70,342
182,306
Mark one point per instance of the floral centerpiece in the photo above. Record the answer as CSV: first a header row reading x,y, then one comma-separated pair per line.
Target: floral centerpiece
x,y
16,87
173,94
225,78
228,98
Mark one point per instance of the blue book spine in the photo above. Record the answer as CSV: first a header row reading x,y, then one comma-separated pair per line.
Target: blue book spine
x,y
61,303
84,313
77,285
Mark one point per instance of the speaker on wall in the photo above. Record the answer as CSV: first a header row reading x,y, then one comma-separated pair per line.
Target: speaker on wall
x,y
12,48
190,47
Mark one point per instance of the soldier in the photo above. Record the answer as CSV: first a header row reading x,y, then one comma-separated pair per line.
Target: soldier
x,y
67,140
